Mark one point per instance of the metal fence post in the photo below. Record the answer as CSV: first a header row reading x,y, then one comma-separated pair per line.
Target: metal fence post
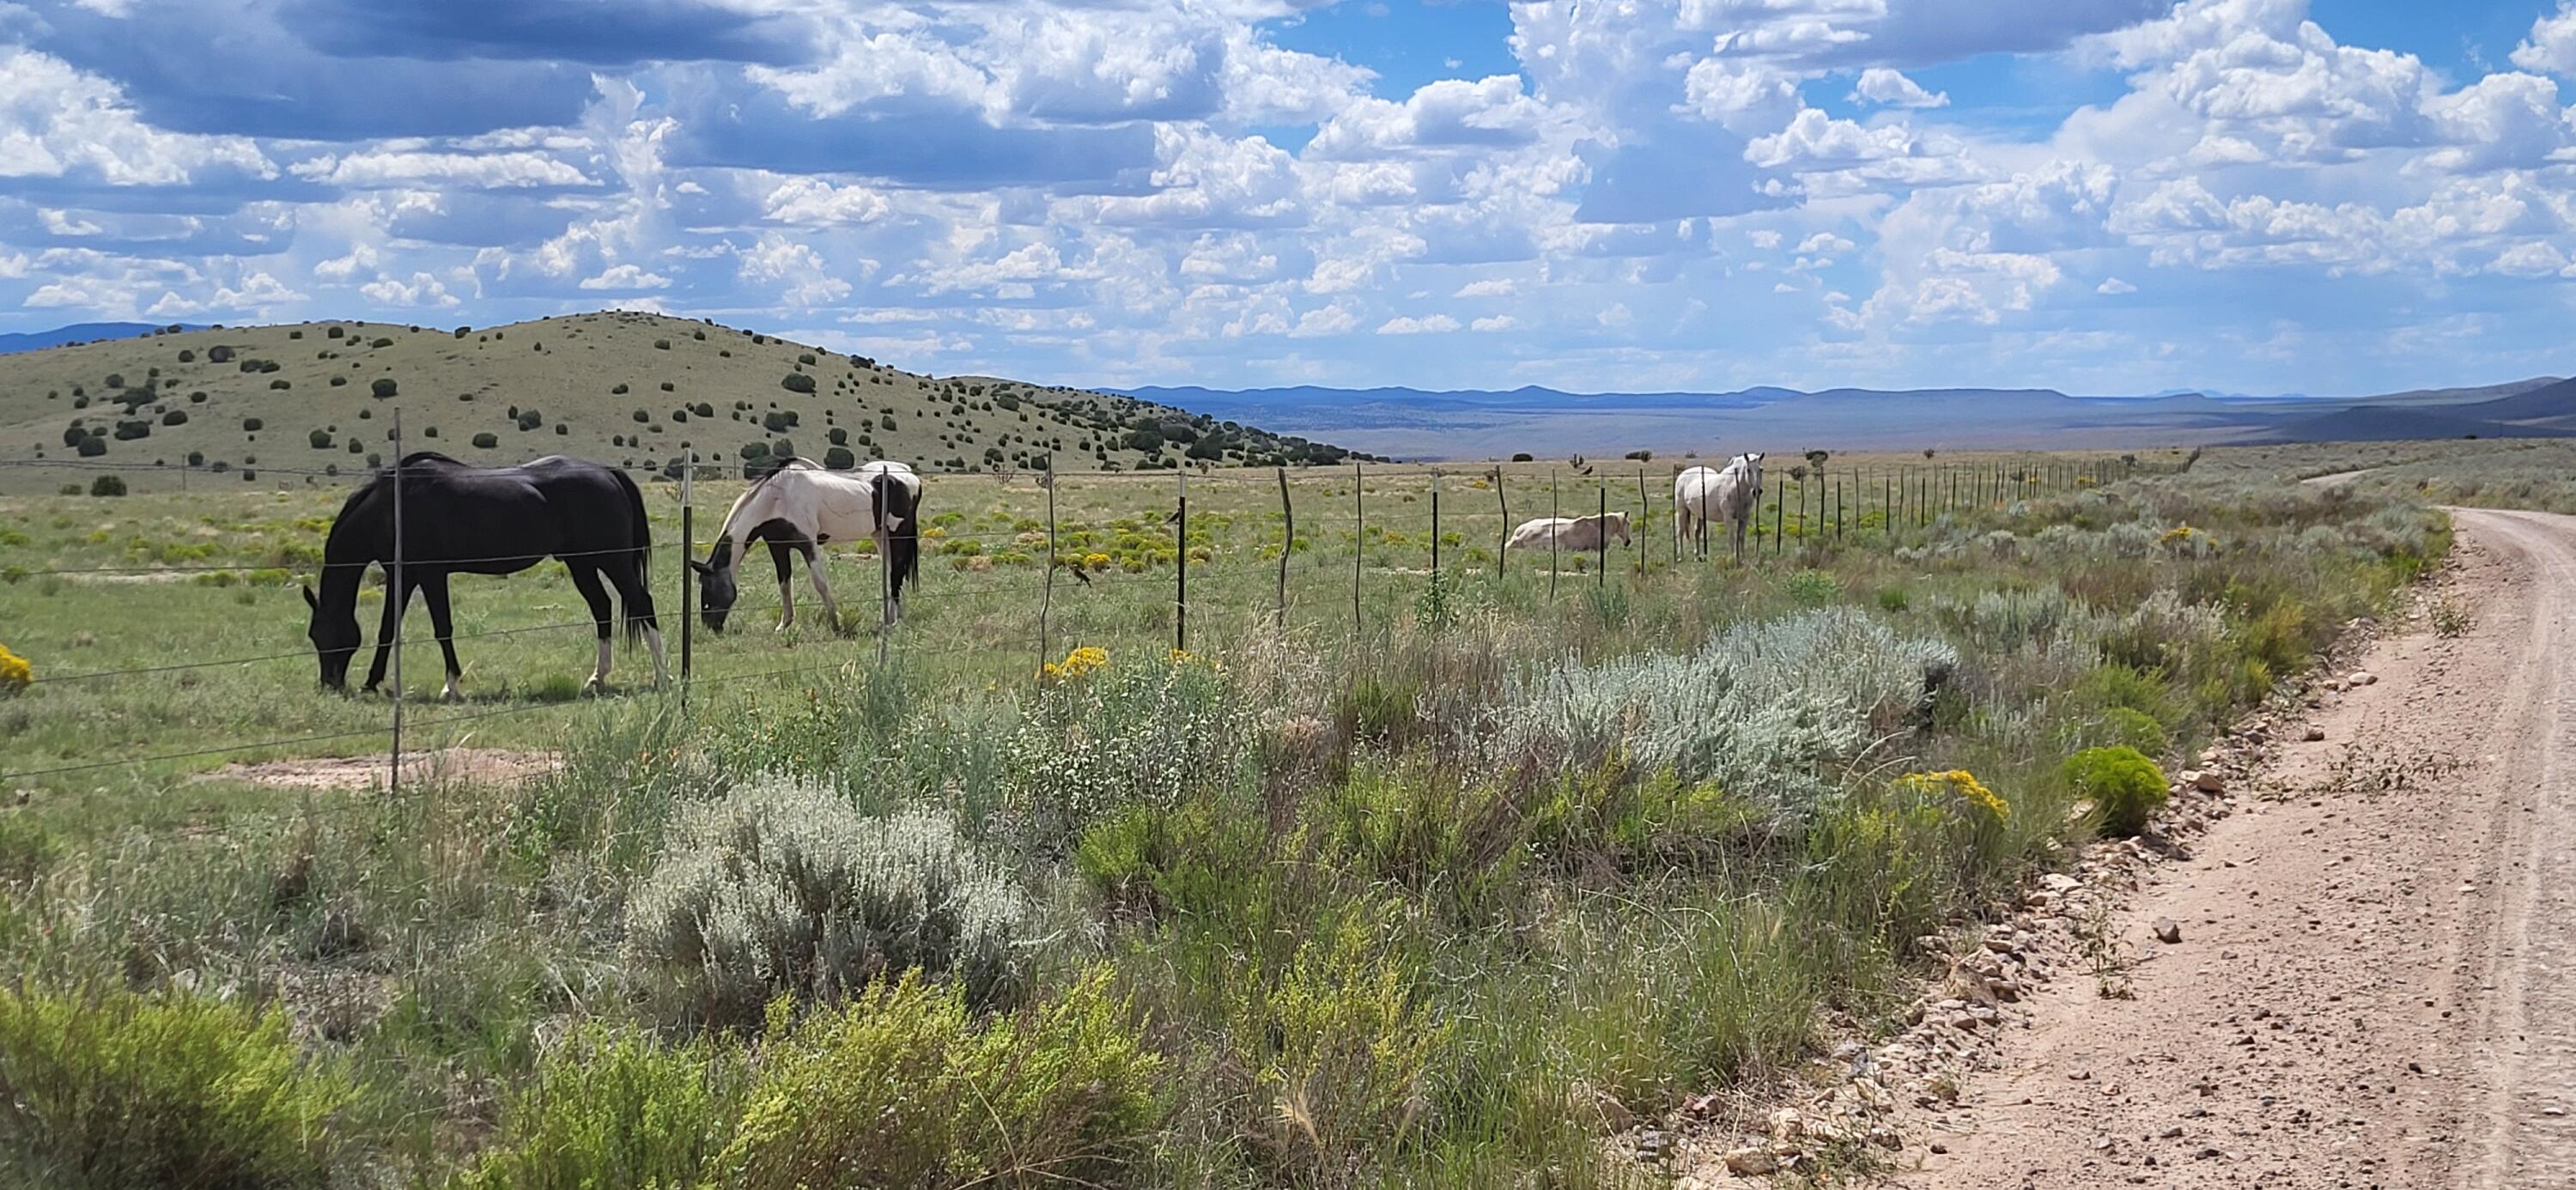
x,y
1502,540
394,591
1181,567
688,574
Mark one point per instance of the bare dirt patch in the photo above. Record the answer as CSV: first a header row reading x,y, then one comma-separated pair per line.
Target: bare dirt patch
x,y
473,766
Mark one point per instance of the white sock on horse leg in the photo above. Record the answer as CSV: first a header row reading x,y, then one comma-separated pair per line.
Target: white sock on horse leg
x,y
599,676
786,605
653,637
452,692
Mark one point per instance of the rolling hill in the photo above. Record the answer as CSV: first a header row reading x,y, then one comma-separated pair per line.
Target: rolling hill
x,y
81,332
643,390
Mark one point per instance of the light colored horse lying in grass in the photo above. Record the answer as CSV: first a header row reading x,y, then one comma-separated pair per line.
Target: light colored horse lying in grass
x,y
1572,534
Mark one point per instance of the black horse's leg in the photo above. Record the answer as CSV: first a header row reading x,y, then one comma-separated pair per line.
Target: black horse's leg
x,y
394,601
635,604
779,553
585,578
433,591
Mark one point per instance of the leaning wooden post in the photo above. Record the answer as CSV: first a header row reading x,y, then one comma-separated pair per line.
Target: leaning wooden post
x,y
1601,539
394,591
1504,539
1046,596
1554,548
1287,545
1359,544
1645,513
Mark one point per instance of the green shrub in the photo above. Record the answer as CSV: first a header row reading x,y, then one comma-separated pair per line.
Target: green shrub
x,y
783,888
2136,729
487,440
2125,787
175,417
1812,588
118,1090
1893,599
382,387
902,1087
250,425
797,382
107,485
614,1108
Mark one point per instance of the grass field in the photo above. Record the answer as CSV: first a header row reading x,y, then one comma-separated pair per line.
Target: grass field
x,y
1438,898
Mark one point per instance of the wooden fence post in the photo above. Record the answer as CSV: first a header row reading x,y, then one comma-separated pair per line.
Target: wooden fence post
x,y
688,573
1359,549
1644,513
1554,549
1046,599
1287,544
1601,539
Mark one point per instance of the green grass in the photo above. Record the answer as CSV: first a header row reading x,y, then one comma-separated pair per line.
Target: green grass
x,y
1317,905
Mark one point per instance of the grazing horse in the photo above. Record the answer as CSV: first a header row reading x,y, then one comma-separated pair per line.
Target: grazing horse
x,y
458,519
1572,534
802,505
1703,495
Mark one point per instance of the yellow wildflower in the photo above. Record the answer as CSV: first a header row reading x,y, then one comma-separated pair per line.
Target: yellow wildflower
x,y
1095,561
1076,664
16,673
1961,783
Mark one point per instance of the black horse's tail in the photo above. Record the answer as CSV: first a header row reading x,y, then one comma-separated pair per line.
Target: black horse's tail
x,y
638,618
898,512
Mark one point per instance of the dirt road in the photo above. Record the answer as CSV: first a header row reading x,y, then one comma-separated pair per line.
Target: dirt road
x,y
2376,980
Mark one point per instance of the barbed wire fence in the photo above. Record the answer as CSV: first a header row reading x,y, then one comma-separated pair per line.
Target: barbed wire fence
x,y
1818,508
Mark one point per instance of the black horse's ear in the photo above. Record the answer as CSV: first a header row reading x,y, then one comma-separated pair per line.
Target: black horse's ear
x,y
310,601
701,567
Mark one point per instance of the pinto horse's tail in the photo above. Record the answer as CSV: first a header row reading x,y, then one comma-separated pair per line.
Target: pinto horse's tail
x,y
898,513
640,528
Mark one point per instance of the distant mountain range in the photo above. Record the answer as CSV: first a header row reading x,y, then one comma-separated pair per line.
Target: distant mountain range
x,y
83,332
1484,423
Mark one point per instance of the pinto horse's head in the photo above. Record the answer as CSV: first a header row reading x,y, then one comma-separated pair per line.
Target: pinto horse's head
x,y
334,631
716,589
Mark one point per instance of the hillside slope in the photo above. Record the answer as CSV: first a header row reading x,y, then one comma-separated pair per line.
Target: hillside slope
x,y
641,390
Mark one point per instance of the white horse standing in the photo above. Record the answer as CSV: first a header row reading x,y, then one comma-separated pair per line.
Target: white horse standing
x,y
803,505
1703,495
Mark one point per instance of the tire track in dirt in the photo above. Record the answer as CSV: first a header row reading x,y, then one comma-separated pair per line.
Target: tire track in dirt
x,y
2376,980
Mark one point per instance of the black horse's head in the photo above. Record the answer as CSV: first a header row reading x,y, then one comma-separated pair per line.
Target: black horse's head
x,y
716,589
335,637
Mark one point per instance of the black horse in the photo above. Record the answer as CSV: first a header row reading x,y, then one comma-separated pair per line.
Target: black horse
x,y
479,520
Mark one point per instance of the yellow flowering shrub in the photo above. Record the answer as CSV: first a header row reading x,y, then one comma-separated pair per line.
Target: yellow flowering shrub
x,y
1095,561
2180,535
1959,784
1079,663
16,673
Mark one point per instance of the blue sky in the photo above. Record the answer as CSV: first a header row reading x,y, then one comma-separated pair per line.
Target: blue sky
x,y
2328,196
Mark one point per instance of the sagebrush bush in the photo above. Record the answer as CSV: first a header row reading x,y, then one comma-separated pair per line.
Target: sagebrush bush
x,y
1151,730
2125,787
782,888
117,1089
901,1086
1766,710
611,1108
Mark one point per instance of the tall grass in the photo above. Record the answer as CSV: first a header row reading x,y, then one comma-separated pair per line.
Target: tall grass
x,y
1437,903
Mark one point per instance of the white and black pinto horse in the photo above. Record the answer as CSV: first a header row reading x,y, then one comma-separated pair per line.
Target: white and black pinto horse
x,y
801,506
458,519
1703,495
